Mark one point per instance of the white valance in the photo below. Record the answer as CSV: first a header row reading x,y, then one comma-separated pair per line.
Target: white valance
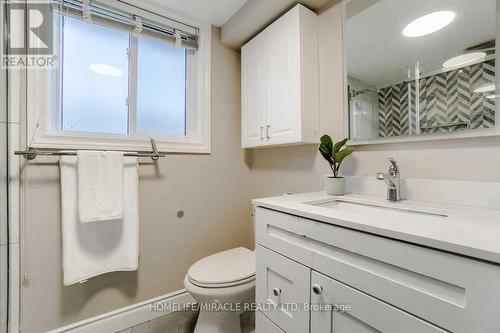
x,y
125,16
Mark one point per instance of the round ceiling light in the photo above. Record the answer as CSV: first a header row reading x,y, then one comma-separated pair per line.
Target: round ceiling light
x,y
485,88
463,59
429,23
105,70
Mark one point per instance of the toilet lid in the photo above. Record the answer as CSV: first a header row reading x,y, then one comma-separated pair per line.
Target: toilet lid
x,y
224,267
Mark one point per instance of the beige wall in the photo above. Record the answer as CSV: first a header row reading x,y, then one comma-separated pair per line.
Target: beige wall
x,y
475,159
215,190
302,168
211,189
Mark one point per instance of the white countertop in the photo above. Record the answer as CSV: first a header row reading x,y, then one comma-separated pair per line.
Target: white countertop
x,y
473,232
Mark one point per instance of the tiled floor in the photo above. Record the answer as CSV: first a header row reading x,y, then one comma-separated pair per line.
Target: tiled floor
x,y
184,322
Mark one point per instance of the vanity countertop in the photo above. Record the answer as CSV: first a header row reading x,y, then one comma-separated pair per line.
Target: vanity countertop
x,y
469,231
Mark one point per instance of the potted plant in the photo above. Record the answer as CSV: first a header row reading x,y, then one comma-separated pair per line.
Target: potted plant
x,y
334,154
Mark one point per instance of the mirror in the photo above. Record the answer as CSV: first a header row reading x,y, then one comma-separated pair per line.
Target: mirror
x,y
420,69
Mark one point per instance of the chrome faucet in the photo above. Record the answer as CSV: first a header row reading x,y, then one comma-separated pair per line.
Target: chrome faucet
x,y
392,180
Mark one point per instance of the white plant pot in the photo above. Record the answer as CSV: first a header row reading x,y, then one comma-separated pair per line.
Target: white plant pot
x,y
334,186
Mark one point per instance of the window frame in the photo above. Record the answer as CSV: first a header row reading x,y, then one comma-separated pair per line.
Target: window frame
x,y
42,92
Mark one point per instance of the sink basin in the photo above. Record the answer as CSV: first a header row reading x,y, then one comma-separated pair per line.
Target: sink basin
x,y
370,208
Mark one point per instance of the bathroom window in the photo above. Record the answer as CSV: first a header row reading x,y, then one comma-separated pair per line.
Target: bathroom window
x,y
94,86
118,83
161,83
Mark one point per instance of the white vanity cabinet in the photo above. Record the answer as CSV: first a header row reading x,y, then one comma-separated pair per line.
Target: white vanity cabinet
x,y
283,283
388,285
280,82
365,314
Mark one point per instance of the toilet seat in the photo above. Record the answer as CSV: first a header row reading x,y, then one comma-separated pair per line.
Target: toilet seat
x,y
224,269
221,285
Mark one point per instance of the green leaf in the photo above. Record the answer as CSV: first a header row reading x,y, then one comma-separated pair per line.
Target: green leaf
x,y
339,145
326,147
325,152
339,156
326,140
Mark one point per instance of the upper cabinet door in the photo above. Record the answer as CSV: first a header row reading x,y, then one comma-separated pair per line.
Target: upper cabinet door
x,y
253,93
280,82
283,121
329,312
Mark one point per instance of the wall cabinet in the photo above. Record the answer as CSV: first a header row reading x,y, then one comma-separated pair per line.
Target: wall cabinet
x,y
280,82
376,284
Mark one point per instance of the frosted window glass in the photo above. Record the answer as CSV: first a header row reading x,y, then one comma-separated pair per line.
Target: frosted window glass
x,y
161,88
95,78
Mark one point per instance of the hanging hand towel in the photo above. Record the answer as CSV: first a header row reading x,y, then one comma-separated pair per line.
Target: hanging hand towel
x,y
90,249
100,185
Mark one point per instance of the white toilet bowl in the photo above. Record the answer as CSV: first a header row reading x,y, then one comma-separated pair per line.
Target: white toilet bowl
x,y
222,284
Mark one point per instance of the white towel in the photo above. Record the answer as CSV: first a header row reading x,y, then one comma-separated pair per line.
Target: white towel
x,y
90,249
100,185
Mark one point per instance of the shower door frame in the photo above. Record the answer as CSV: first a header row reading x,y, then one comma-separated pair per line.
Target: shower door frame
x,y
4,217
13,96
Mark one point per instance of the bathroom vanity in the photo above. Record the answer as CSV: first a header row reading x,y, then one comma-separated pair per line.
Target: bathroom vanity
x,y
359,263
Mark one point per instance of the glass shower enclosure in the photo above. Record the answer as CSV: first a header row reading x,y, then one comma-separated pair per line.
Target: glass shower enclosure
x,y
4,247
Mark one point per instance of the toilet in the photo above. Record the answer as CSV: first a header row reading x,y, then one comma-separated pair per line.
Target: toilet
x,y
222,284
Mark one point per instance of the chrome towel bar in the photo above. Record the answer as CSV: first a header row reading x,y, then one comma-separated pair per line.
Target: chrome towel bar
x,y
30,153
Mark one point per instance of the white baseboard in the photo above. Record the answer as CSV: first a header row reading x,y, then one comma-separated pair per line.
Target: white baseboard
x,y
127,317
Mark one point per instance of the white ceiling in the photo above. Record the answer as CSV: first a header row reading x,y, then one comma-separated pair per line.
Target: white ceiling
x,y
215,12
256,15
240,19
377,53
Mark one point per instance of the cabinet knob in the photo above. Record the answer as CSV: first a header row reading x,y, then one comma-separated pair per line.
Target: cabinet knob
x,y
276,292
261,133
267,132
317,289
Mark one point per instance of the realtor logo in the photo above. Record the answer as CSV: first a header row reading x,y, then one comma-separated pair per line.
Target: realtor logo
x,y
29,32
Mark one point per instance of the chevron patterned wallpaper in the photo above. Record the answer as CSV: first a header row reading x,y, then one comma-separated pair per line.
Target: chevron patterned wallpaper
x,y
447,103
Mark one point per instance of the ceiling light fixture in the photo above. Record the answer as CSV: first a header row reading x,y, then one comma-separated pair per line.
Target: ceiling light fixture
x,y
106,70
429,23
463,59
485,88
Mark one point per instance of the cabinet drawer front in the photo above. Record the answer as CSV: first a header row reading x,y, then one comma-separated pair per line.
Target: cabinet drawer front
x,y
356,312
454,292
265,325
281,285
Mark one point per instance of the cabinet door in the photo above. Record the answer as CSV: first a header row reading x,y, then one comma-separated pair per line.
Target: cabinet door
x,y
455,293
283,116
265,325
253,92
338,308
282,289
